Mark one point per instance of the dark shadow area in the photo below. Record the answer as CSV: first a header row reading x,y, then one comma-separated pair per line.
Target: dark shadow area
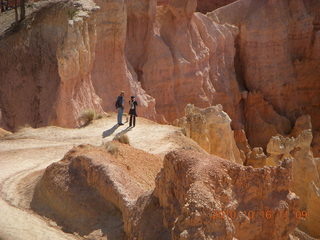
x,y
150,223
110,131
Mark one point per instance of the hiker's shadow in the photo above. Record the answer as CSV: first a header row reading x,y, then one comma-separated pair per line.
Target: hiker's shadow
x,y
110,131
124,131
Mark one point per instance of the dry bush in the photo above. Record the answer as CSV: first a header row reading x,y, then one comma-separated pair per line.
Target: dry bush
x,y
112,148
123,138
99,116
87,117
4,133
21,128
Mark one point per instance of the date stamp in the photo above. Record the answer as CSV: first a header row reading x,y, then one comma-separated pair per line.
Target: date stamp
x,y
266,213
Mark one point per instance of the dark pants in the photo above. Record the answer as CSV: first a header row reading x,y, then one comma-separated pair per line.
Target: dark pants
x,y
132,120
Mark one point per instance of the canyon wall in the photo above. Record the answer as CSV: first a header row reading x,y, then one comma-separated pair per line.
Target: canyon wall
x,y
168,56
278,62
45,67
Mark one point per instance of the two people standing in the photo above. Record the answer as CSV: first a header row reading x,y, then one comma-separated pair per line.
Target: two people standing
x,y
132,112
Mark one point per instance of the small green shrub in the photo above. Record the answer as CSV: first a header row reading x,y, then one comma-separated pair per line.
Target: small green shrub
x,y
21,128
72,12
123,138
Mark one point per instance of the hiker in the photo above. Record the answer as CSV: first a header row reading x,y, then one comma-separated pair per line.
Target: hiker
x,y
120,107
133,111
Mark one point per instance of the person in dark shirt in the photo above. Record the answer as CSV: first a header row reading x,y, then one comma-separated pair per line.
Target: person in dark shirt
x,y
133,111
120,107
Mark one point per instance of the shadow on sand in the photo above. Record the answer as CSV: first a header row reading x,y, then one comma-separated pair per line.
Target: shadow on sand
x,y
124,131
110,131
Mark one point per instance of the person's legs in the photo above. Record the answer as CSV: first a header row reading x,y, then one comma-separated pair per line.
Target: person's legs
x,y
130,124
120,112
134,120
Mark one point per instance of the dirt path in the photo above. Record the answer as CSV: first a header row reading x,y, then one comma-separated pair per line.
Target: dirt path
x,y
25,154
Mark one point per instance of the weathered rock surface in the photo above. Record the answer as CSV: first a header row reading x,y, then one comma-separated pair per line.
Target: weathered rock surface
x,y
210,128
45,67
91,189
280,63
183,62
192,187
306,177
112,71
168,57
256,158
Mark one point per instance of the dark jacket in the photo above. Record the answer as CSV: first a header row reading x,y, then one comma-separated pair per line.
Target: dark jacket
x,y
133,107
119,102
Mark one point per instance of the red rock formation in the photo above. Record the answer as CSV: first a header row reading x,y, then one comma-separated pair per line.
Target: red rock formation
x,y
45,72
112,71
170,56
306,175
281,62
183,63
194,190
90,189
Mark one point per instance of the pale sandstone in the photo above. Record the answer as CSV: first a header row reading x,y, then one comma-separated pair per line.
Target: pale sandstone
x,y
210,128
256,158
306,178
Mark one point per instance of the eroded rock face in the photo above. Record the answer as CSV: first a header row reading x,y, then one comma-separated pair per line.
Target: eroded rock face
x,y
100,195
112,71
210,128
193,187
306,177
256,158
45,67
91,189
183,62
280,63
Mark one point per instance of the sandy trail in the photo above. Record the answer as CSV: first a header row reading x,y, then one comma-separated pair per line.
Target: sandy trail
x,y
24,154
